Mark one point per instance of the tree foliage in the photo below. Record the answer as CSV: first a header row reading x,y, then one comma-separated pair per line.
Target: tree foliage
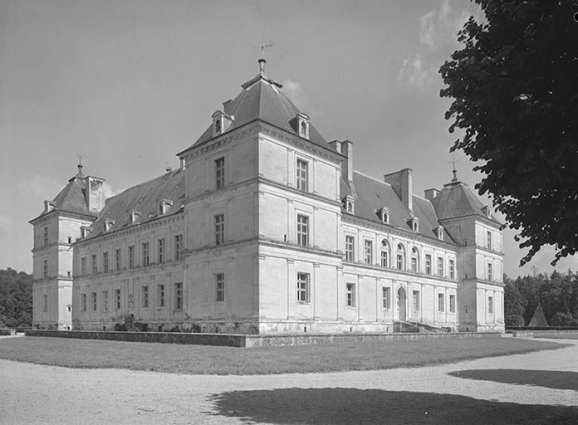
x,y
557,294
514,87
15,299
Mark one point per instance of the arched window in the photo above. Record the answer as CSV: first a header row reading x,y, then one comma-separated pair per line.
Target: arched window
x,y
303,128
400,257
414,260
384,253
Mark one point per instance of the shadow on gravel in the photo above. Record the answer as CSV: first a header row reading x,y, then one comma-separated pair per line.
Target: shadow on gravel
x,y
541,378
338,406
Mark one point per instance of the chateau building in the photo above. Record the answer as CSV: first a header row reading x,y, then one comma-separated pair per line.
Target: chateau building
x,y
267,228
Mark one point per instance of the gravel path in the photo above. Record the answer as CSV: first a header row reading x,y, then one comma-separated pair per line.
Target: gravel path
x,y
492,390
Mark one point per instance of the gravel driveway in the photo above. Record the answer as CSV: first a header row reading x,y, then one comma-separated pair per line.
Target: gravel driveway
x,y
534,388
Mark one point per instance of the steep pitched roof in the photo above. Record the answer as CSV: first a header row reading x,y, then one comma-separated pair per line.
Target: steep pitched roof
x,y
262,99
143,198
456,199
373,194
72,198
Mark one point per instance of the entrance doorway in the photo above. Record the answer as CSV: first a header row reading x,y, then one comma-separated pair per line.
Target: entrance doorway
x,y
401,305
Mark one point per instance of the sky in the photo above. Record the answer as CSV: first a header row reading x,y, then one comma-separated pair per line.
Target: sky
x,y
128,84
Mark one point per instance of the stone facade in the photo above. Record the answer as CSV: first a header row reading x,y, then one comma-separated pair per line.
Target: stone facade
x,y
266,228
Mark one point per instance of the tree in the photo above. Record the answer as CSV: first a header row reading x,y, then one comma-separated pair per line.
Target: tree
x,y
513,304
15,298
515,97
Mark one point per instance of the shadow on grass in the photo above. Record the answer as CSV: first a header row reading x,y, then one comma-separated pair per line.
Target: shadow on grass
x,y
338,406
541,378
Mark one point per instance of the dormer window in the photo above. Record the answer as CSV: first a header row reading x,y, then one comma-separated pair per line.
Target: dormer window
x,y
164,206
414,224
108,223
48,206
439,231
221,122
301,124
133,216
85,231
383,214
348,204
487,211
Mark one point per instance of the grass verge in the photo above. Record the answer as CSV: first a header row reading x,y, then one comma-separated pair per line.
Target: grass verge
x,y
197,359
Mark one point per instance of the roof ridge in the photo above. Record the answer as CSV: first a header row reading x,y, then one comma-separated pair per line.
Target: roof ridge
x,y
372,178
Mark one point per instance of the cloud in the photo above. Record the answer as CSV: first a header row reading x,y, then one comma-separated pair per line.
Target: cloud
x,y
294,92
415,73
109,191
439,27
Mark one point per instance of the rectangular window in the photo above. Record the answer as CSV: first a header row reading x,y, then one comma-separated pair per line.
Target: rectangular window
x,y
414,264
178,296
94,264
83,302
386,298
83,266
145,254
440,267
94,301
178,247
302,175
489,239
45,307
351,295
302,230
117,299
45,268
441,303
220,286
491,305
368,252
160,295
145,296
452,265
105,262
384,259
219,229
490,272
416,300
400,261
428,264
131,257
349,248
161,251
303,287
452,303
117,265
45,236
220,173
104,300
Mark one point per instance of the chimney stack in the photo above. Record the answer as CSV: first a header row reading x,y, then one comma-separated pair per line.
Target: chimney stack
x,y
401,182
431,194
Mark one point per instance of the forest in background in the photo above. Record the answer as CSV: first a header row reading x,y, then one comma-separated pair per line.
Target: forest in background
x,y
556,293
15,299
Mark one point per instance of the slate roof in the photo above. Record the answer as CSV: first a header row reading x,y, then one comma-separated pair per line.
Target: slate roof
x,y
456,199
71,199
373,194
262,99
144,199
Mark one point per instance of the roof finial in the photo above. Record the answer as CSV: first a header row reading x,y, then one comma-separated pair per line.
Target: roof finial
x,y
79,165
455,179
262,60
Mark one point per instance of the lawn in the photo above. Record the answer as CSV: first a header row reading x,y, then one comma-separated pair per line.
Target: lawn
x,y
197,359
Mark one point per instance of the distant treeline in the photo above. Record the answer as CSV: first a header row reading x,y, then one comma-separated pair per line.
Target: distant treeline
x,y
557,294
15,299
